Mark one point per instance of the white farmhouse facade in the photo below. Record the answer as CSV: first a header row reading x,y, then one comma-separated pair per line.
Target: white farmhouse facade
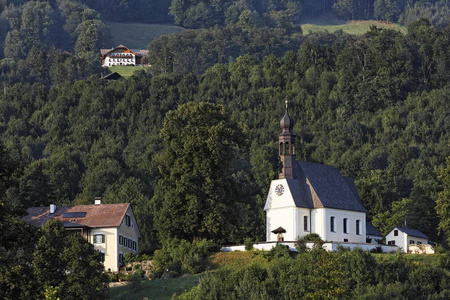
x,y
311,198
122,56
405,237
111,228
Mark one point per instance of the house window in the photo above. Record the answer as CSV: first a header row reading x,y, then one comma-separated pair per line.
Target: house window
x,y
102,256
134,245
127,220
99,238
125,242
345,225
419,243
345,240
392,243
358,227
332,224
121,258
130,243
305,223
411,242
395,232
120,240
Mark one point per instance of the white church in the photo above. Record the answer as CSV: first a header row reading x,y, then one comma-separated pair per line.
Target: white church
x,y
311,198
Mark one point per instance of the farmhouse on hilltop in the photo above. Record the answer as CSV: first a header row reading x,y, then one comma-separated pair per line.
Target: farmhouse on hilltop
x,y
122,56
111,228
311,198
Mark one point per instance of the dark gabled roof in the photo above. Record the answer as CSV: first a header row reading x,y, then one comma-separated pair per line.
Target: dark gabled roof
x,y
300,193
112,76
371,230
329,188
412,232
96,216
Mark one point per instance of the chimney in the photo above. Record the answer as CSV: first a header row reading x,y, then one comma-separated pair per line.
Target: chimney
x,y
98,200
52,208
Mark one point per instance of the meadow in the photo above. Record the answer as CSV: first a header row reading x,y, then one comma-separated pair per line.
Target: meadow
x,y
138,35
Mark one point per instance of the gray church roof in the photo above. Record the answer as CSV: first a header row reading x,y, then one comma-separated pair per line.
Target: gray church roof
x,y
371,230
323,186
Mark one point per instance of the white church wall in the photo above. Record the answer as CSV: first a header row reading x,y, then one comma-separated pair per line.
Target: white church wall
x,y
281,217
302,229
317,222
338,234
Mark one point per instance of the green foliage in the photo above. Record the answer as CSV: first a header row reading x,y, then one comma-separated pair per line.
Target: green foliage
x,y
69,264
300,244
248,243
443,201
178,257
196,188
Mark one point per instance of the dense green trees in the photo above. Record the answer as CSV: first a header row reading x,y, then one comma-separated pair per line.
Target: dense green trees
x,y
196,196
318,274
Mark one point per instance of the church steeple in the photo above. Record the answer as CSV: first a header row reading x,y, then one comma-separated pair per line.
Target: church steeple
x,y
286,142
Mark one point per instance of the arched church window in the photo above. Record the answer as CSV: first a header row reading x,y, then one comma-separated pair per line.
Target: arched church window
x,y
286,147
305,223
345,225
281,148
332,224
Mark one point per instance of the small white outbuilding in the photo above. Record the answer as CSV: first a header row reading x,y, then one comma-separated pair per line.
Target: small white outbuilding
x,y
404,238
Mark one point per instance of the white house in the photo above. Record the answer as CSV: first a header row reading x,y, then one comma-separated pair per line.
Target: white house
x,y
122,56
372,234
111,228
311,198
405,237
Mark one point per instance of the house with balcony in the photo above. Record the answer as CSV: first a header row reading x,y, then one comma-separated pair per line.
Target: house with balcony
x,y
122,56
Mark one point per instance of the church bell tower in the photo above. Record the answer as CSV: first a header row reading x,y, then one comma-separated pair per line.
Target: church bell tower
x,y
286,143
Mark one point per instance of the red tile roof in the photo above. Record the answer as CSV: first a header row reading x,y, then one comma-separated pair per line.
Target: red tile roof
x,y
97,216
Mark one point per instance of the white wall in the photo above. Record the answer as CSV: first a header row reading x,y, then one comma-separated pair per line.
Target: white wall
x,y
338,235
400,240
280,211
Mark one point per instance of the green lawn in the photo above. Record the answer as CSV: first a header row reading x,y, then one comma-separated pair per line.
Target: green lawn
x,y
155,289
126,71
138,35
350,27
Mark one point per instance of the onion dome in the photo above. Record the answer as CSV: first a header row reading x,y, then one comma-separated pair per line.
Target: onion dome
x,y
286,123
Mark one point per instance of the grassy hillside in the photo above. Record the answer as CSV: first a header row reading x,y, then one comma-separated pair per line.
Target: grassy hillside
x,y
138,35
350,27
165,288
158,289
126,71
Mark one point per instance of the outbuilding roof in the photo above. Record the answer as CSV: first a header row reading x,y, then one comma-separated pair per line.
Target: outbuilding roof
x,y
412,232
95,216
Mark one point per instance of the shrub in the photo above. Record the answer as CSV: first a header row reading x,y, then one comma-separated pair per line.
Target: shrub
x,y
180,256
248,242
301,247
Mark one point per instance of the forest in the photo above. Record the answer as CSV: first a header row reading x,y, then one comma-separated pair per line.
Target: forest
x,y
195,136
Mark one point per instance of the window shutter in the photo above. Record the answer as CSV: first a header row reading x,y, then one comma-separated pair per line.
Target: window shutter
x,y
103,238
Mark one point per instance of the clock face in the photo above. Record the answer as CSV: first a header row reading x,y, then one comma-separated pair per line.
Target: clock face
x,y
279,189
